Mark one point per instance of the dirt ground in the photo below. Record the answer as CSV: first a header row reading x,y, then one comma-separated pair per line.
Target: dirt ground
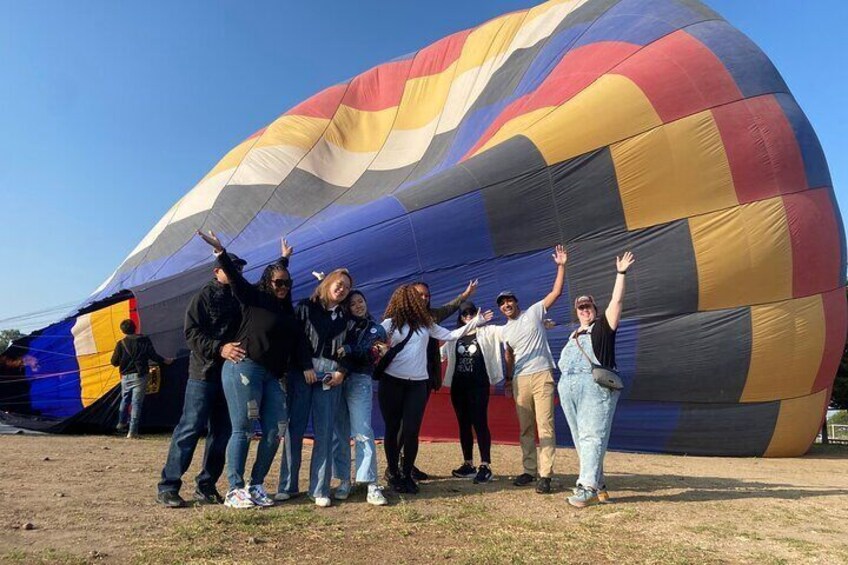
x,y
91,500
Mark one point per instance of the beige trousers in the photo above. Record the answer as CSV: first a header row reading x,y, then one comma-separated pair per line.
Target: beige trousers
x,y
534,402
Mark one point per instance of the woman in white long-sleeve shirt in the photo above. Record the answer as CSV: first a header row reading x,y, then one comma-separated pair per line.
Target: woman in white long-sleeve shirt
x,y
403,390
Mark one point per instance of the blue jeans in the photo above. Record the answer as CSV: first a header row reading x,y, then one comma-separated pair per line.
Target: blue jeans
x,y
252,393
305,399
133,390
353,418
204,408
589,409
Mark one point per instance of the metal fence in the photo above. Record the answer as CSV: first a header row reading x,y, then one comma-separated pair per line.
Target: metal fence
x,y
834,434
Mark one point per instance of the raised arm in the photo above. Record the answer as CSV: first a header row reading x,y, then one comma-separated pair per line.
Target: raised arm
x,y
438,332
439,314
613,311
242,289
560,258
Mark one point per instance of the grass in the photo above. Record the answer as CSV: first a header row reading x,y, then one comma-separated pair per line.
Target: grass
x,y
43,557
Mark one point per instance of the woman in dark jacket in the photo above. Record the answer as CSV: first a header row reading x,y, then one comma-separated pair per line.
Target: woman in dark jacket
x,y
269,336
353,418
316,389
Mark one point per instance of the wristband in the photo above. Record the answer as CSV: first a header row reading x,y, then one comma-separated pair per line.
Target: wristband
x,y
622,272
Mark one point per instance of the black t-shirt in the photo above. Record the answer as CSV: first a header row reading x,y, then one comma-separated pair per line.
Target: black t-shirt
x,y
603,342
470,367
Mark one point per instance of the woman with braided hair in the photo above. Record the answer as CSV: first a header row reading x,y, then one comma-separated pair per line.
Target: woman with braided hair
x,y
402,392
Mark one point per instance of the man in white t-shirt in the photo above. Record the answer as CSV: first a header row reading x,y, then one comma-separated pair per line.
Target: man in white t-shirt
x,y
529,367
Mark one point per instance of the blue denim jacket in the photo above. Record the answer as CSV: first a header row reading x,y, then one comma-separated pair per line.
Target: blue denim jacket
x,y
367,332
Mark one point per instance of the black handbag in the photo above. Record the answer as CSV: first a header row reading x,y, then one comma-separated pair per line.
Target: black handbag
x,y
604,376
386,360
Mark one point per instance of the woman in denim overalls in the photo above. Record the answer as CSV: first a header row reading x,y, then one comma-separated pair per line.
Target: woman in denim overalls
x,y
589,407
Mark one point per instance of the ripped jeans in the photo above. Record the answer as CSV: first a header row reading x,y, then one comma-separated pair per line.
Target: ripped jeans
x,y
353,419
252,393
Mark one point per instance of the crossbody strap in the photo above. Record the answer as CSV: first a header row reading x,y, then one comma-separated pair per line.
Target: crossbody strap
x,y
397,348
583,351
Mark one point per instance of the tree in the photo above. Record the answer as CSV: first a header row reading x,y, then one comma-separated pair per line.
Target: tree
x,y
839,398
7,337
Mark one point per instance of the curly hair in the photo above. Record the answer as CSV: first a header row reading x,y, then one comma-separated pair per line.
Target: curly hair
x,y
407,309
265,285
321,294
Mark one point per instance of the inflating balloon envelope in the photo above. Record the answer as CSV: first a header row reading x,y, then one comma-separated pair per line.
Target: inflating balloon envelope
x,y
649,125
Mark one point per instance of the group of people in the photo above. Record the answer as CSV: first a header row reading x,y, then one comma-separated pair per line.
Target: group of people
x,y
258,360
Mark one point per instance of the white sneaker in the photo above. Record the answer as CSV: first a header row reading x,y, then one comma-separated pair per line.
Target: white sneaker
x,y
342,491
238,498
282,496
259,496
323,501
375,495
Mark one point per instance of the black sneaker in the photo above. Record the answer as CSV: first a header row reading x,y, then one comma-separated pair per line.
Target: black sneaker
x,y
170,499
419,475
396,482
544,486
465,471
484,475
208,496
410,484
523,480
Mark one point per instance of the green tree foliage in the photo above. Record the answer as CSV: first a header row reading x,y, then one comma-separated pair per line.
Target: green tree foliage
x,y
840,418
7,337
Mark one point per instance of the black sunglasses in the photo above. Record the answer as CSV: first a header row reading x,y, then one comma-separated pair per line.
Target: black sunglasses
x,y
280,283
585,307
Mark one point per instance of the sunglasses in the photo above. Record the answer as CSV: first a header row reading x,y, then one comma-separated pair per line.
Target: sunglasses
x,y
585,307
280,283
468,313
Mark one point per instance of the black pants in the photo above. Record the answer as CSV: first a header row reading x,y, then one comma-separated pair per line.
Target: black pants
x,y
402,403
471,403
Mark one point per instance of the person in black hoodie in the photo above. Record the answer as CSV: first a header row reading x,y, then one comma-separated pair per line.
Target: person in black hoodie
x,y
211,322
132,356
317,389
270,338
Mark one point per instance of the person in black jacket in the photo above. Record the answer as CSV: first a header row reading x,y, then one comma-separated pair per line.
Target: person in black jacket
x,y
316,389
211,321
353,417
132,356
253,387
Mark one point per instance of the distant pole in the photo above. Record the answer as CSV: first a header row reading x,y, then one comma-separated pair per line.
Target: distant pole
x,y
825,439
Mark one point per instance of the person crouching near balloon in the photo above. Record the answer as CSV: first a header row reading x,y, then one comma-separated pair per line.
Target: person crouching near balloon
x,y
317,389
589,406
473,365
252,386
353,418
402,392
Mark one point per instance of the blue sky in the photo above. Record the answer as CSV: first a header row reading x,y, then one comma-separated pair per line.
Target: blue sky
x,y
111,111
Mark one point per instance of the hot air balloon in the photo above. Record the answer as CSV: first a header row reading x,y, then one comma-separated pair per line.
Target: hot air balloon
x,y
649,125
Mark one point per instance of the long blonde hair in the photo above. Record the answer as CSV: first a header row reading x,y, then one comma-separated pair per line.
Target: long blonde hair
x,y
322,291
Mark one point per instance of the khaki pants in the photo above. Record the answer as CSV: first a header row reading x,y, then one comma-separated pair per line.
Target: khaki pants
x,y
534,402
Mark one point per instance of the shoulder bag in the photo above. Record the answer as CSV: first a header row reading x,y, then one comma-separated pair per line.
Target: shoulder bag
x,y
607,378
